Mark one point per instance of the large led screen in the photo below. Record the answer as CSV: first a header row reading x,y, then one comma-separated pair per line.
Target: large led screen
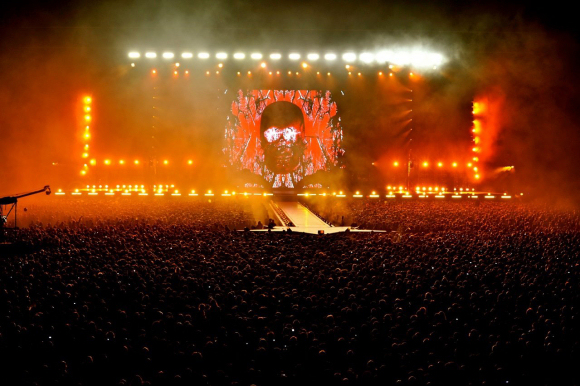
x,y
284,138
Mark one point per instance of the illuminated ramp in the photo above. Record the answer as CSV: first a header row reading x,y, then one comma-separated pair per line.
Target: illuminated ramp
x,y
302,217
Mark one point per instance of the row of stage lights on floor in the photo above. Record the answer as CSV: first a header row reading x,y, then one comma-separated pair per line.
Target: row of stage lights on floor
x,y
163,190
419,59
272,73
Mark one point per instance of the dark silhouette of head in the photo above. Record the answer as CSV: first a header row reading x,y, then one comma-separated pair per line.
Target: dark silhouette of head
x,y
282,136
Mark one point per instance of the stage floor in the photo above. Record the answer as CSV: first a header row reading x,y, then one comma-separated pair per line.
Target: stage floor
x,y
314,231
305,221
301,216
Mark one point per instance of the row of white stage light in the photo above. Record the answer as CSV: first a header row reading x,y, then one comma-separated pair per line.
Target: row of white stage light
x,y
400,58
246,194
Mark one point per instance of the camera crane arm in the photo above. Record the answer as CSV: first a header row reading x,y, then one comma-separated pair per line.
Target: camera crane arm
x,y
13,200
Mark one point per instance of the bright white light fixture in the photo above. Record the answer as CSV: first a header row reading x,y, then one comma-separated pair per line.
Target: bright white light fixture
x,y
275,56
349,57
366,57
134,55
203,55
401,58
239,55
436,59
313,56
294,56
330,56
168,55
384,56
151,55
187,55
221,55
256,55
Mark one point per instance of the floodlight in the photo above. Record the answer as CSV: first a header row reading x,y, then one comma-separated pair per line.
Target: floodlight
x,y
275,56
313,56
256,56
187,55
330,56
294,56
384,56
349,57
168,55
134,55
436,59
239,55
221,55
150,55
366,57
203,55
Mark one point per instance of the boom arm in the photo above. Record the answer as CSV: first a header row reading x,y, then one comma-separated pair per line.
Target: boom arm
x,y
13,199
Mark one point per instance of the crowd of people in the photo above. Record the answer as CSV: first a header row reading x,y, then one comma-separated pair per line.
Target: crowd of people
x,y
453,293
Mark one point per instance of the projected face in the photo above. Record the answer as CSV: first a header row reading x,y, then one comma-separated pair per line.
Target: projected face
x,y
282,136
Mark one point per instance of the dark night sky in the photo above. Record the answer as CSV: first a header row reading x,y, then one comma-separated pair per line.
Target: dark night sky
x,y
48,50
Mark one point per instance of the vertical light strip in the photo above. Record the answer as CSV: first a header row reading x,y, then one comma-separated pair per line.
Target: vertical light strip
x,y
87,118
